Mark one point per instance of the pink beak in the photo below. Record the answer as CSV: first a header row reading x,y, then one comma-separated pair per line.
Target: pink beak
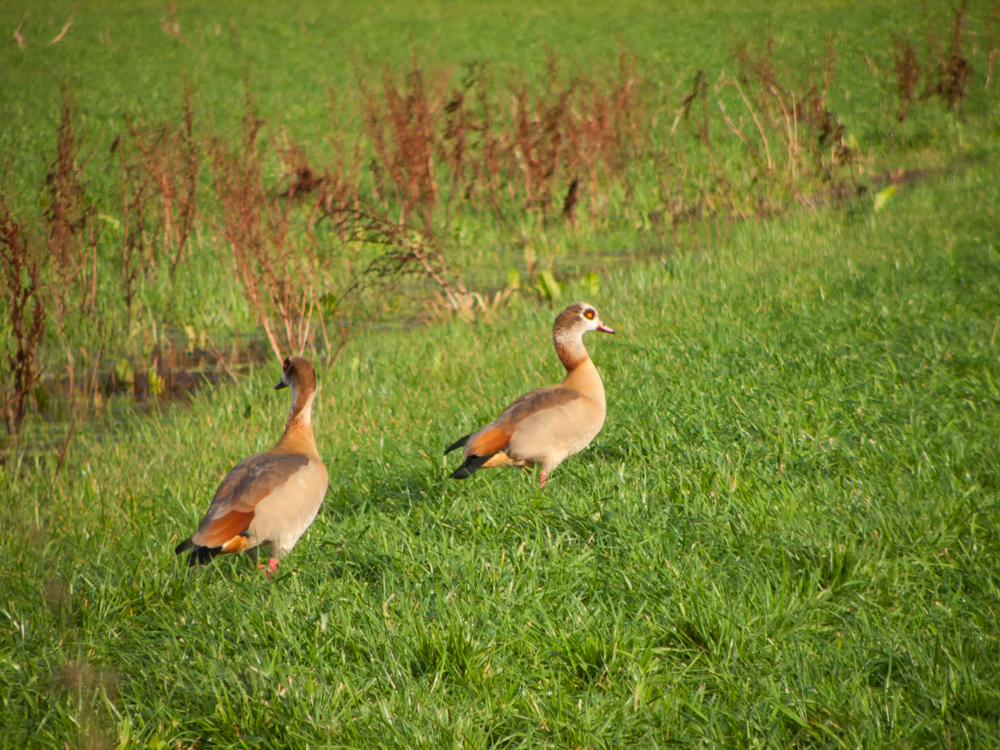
x,y
604,329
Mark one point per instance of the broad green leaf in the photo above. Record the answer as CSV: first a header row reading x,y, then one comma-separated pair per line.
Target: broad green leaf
x,y
882,197
549,287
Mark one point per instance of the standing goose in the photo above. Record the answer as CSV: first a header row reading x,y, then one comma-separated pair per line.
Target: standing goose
x,y
550,424
271,498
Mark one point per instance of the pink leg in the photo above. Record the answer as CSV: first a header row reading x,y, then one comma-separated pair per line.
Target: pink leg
x,y
543,477
272,567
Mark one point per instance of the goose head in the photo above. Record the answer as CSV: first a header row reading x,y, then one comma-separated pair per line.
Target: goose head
x,y
298,374
568,330
576,320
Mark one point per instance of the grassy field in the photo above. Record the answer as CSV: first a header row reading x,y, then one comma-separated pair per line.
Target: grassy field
x,y
669,142
786,535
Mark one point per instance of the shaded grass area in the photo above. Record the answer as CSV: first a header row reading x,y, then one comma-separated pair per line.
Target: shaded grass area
x,y
786,534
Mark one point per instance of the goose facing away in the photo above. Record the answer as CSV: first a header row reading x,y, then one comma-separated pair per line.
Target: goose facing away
x,y
550,424
269,499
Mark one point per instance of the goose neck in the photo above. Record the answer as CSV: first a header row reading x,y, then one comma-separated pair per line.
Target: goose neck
x,y
570,349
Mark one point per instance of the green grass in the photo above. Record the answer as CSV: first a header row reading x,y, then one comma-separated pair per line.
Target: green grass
x,y
114,62
786,535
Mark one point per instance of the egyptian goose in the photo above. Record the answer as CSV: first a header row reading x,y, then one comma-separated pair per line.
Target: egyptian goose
x,y
550,424
271,498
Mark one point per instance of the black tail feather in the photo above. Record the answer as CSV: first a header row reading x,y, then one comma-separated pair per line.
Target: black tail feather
x,y
203,555
199,555
471,466
457,444
183,546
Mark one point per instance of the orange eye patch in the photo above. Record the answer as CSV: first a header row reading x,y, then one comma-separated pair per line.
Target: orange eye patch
x,y
589,315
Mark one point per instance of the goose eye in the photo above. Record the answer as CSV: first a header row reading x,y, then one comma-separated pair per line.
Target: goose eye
x,y
589,315
287,364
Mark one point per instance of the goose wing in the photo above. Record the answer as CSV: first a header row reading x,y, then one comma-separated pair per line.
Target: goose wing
x,y
495,436
250,481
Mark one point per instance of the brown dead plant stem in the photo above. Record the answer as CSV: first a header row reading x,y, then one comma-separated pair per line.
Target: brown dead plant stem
x,y
609,130
20,273
948,71
168,158
278,272
134,251
71,236
159,169
514,146
908,72
795,105
465,130
540,132
991,42
325,190
406,252
697,183
401,126
132,248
